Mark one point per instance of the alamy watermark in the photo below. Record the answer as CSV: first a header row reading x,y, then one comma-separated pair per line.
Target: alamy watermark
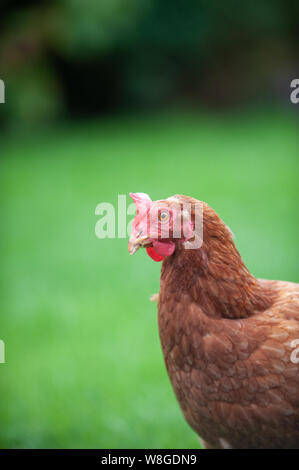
x,y
159,219
2,352
295,353
294,96
2,92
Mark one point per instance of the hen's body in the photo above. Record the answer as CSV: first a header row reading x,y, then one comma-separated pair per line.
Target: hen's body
x,y
226,338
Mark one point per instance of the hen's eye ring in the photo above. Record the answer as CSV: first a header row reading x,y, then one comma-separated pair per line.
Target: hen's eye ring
x,y
164,216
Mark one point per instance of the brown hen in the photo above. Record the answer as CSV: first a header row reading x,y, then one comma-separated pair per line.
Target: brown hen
x,y
228,339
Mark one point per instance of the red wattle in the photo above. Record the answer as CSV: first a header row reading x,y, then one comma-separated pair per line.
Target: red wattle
x,y
153,254
160,249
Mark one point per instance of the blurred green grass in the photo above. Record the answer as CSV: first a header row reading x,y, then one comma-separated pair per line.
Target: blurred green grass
x,y
83,361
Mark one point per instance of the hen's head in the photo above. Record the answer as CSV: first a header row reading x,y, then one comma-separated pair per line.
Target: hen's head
x,y
160,225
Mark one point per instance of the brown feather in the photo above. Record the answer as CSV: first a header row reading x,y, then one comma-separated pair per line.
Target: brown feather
x,y
226,340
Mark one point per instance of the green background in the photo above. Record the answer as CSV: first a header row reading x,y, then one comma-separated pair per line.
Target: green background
x,y
107,97
84,366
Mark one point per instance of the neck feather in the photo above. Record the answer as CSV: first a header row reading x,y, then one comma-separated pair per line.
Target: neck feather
x,y
215,276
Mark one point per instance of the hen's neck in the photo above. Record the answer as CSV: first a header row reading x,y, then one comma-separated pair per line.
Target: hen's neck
x,y
214,276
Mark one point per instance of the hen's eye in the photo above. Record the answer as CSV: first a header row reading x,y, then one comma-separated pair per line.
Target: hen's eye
x,y
164,216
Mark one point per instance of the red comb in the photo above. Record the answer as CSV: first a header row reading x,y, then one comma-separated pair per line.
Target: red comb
x,y
141,200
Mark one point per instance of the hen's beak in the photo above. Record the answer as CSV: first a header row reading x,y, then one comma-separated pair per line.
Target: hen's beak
x,y
135,243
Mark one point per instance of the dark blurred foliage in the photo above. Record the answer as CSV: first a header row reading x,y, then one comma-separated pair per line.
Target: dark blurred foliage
x,y
83,57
